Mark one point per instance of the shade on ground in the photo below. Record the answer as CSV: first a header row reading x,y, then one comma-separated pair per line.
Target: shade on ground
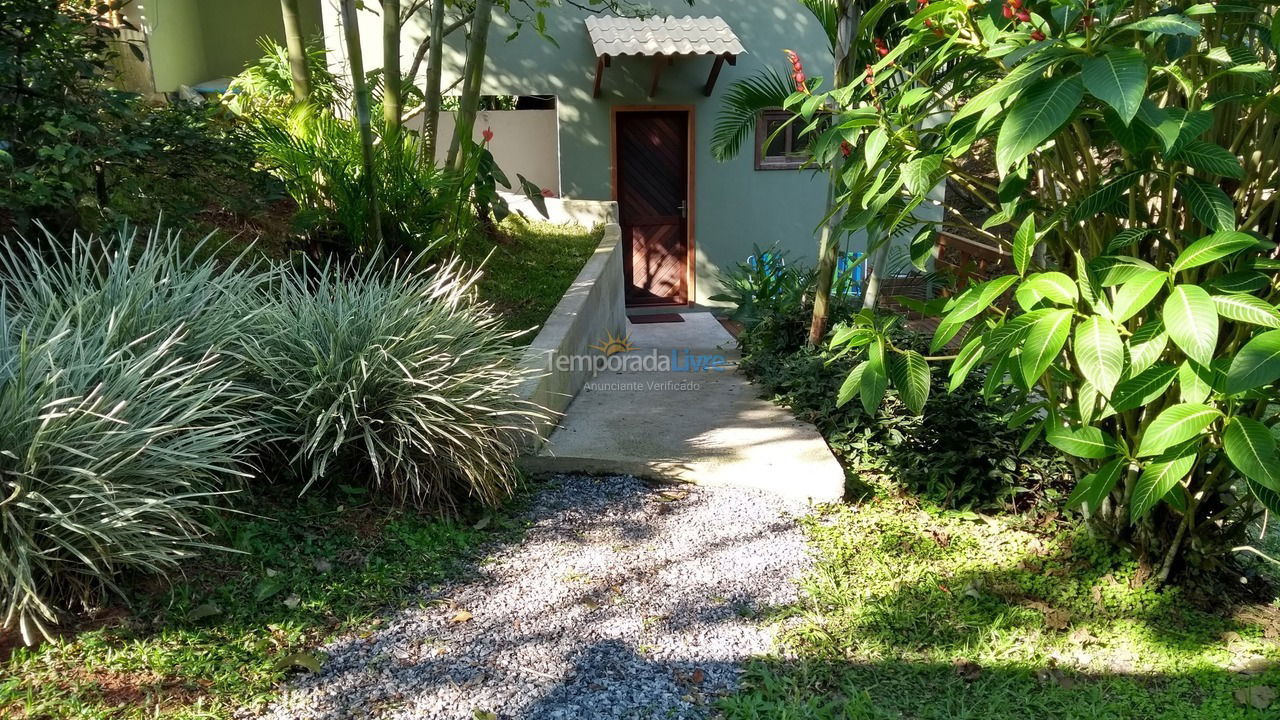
x,y
702,426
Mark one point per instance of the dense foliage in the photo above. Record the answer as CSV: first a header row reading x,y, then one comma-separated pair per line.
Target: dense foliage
x,y
78,154
1135,147
960,452
137,383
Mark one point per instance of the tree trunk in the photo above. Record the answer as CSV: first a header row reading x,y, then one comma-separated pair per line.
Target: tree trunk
x,y
829,244
297,50
435,62
473,74
392,101
362,103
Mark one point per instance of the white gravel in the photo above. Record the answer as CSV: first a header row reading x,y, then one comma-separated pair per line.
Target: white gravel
x,y
624,600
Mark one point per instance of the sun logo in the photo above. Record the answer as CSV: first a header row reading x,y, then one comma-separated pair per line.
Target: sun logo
x,y
614,345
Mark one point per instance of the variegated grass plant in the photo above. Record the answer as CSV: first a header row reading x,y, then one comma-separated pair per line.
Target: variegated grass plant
x,y
394,374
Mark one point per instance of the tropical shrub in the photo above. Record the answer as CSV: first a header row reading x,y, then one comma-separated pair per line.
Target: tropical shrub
x,y
111,451
266,86
1135,147
391,373
318,158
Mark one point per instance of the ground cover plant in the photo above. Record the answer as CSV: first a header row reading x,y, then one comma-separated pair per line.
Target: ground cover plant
x,y
222,636
529,268
921,612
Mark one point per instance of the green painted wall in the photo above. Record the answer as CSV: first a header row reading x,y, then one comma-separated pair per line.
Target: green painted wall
x,y
197,40
736,206
175,40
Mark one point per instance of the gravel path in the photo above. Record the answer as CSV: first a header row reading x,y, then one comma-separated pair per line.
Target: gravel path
x,y
624,600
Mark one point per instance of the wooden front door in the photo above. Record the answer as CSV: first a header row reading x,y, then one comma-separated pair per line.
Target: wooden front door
x,y
652,162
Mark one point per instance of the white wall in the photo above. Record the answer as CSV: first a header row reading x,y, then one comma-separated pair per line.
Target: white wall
x,y
525,142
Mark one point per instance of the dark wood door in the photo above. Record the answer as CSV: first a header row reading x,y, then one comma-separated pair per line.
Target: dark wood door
x,y
652,158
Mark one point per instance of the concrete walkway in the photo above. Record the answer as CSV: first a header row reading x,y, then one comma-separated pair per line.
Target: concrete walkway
x,y
681,423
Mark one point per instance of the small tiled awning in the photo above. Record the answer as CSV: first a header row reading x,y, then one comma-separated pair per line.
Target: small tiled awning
x,y
664,39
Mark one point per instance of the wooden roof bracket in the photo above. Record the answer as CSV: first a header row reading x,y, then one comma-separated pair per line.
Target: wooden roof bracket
x,y
602,62
715,71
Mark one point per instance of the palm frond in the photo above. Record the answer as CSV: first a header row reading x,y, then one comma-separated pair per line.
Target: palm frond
x,y
827,13
743,102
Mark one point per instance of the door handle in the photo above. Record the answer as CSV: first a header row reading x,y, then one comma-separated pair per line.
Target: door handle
x,y
684,209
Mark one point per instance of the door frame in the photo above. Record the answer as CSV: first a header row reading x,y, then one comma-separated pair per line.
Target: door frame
x,y
690,261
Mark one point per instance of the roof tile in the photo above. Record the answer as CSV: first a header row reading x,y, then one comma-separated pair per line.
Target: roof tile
x,y
611,35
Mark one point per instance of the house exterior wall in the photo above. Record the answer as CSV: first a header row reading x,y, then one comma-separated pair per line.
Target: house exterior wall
x,y
735,206
192,41
525,142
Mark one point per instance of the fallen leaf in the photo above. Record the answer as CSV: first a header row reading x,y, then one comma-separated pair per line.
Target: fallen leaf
x,y
482,523
698,676
1258,696
460,617
967,669
200,612
292,601
309,661
1054,676
322,565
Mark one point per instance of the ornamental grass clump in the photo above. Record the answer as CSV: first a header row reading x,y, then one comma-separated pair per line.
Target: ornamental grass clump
x,y
110,455
391,374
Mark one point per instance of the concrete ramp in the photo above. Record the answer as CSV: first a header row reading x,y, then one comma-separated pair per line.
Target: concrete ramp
x,y
677,419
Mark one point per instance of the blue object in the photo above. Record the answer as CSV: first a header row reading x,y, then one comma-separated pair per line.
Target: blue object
x,y
771,263
844,262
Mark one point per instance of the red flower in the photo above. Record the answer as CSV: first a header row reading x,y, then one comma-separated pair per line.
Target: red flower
x,y
1087,20
487,134
845,148
1007,11
1037,35
1023,16
548,193
798,75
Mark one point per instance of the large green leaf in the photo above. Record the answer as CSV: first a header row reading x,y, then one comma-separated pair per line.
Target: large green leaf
x,y
1142,388
1248,309
968,305
1251,448
1146,345
1166,25
1057,287
1177,424
1024,244
1107,195
1035,117
1118,78
741,106
1257,363
1208,203
1192,322
874,381
1086,442
1213,247
1195,382
1209,157
921,174
1158,478
1136,293
851,386
910,375
1094,487
1099,353
1043,344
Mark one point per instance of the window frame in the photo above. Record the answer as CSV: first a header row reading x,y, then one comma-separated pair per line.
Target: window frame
x,y
790,159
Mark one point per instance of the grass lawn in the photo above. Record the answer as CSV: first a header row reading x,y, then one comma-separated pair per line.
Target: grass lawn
x,y
225,634
916,612
530,268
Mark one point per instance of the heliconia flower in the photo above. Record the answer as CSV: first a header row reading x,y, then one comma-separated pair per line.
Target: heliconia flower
x,y
1024,16
1007,11
487,134
1037,35
548,193
845,148
798,67
1087,20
